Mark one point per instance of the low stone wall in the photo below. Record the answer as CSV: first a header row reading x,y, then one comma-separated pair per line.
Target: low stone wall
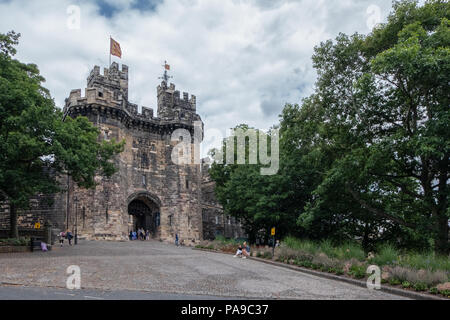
x,y
35,233
12,249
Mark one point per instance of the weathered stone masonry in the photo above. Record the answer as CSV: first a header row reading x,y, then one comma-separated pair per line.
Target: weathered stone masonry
x,y
163,196
149,190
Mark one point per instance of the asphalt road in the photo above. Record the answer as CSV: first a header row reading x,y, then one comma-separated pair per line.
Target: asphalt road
x,y
43,293
155,270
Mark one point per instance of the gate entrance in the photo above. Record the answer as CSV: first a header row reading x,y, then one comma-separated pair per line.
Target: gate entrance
x,y
145,215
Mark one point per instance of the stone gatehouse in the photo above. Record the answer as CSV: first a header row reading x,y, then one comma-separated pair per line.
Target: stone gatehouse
x,y
149,190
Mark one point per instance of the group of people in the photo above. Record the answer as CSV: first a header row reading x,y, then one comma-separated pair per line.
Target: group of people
x,y
243,251
140,234
178,242
65,235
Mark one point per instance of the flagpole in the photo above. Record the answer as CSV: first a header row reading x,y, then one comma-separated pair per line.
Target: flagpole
x,y
109,52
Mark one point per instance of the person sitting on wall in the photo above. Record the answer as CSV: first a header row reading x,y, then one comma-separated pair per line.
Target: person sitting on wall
x,y
238,252
246,251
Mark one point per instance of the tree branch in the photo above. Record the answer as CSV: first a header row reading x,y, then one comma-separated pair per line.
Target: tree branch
x,y
377,211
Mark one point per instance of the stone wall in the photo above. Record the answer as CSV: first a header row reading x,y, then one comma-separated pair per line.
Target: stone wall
x,y
43,209
215,223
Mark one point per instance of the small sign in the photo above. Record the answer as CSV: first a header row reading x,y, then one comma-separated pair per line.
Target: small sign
x,y
37,225
272,231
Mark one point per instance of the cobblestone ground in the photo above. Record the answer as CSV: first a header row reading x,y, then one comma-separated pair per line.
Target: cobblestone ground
x,y
160,267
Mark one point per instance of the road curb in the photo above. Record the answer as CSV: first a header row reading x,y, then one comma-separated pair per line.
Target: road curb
x,y
391,290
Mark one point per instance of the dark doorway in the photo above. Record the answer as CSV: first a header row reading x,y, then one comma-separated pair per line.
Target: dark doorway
x,y
144,215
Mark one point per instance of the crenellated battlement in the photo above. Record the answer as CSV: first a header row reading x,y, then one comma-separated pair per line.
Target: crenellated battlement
x,y
110,90
113,79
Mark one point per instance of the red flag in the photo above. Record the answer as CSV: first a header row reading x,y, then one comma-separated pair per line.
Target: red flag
x,y
115,48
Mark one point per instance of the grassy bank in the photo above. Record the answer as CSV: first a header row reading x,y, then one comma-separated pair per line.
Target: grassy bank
x,y
425,272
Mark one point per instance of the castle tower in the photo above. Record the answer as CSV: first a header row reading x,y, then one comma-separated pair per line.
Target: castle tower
x,y
149,190
172,106
112,79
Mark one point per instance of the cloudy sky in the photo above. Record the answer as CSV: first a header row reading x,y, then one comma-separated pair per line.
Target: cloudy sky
x,y
243,59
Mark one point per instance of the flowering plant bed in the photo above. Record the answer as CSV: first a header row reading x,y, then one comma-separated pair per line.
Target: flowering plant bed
x,y
409,271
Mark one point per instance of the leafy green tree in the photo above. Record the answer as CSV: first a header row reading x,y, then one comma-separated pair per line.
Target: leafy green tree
x,y
366,156
384,103
257,200
36,145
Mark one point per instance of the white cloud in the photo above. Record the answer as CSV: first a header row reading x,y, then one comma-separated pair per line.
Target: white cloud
x,y
243,59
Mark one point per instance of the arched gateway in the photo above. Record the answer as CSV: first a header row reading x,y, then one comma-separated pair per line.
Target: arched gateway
x,y
143,208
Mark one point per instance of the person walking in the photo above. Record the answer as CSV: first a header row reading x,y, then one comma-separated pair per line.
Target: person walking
x,y
62,235
176,239
147,235
69,236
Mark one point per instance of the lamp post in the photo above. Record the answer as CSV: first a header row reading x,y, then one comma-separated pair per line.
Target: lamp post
x,y
75,200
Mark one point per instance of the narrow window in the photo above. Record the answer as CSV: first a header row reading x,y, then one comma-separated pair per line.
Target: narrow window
x,y
217,220
144,180
187,184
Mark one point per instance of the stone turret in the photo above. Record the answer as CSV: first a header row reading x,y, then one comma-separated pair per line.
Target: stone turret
x,y
112,79
172,106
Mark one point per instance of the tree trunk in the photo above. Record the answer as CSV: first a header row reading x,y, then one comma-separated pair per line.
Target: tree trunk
x,y
442,245
13,230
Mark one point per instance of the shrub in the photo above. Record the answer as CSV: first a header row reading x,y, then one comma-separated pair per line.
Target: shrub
x,y
420,277
406,284
428,261
420,286
386,255
434,290
22,241
445,293
301,245
357,271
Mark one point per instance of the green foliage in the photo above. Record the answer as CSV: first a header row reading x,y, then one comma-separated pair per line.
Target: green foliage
x,y
358,271
35,143
386,255
366,156
22,241
406,284
434,290
224,240
344,251
394,281
420,286
426,261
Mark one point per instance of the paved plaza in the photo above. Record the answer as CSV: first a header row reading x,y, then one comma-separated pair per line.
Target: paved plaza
x,y
152,267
